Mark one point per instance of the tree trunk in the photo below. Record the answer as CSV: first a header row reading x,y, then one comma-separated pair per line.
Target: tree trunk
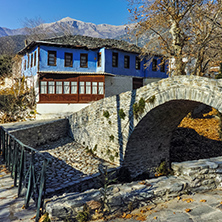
x,y
177,44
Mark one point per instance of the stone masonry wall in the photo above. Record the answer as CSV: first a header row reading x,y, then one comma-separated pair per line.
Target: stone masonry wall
x,y
43,133
189,177
141,143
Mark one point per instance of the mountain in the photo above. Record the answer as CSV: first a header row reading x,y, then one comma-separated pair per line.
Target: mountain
x,y
72,26
9,32
13,39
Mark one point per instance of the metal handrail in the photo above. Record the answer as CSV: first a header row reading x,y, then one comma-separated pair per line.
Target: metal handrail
x,y
15,155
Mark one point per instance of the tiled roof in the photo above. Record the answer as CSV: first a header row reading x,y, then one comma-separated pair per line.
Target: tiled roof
x,y
78,41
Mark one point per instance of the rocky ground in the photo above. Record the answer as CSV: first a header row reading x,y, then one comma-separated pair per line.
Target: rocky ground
x,y
71,168
195,207
204,207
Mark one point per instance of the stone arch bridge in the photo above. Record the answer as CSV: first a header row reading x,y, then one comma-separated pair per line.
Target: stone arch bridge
x,y
141,142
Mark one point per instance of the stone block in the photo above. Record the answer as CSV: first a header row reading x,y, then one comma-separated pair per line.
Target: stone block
x,y
219,171
212,165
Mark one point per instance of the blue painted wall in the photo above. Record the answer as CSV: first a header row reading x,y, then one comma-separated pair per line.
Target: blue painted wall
x,y
106,62
155,74
30,71
92,59
120,70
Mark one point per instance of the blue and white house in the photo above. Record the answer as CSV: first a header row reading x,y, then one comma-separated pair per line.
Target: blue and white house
x,y
71,71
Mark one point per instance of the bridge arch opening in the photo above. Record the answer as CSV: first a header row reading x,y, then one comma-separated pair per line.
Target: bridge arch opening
x,y
150,142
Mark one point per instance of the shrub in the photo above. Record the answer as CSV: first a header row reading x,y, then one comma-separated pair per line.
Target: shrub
x,y
122,114
106,114
84,215
15,100
106,179
111,158
108,151
163,169
111,138
151,99
138,108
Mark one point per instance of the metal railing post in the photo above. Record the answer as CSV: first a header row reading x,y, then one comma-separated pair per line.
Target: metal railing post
x,y
15,165
30,183
41,188
21,171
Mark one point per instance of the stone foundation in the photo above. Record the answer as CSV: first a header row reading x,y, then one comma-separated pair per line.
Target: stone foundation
x,y
190,176
43,133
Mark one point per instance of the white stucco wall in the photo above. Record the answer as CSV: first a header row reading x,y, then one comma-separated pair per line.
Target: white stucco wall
x,y
53,110
117,84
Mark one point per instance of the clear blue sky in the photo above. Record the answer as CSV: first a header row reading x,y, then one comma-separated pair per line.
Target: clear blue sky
x,y
14,12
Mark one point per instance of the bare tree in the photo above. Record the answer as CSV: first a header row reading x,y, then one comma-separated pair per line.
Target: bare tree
x,y
183,30
35,30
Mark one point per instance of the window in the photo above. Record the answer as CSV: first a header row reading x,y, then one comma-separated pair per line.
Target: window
x,y
126,62
31,59
137,63
101,89
81,87
154,65
115,59
58,87
25,65
35,59
73,87
162,65
43,87
94,87
52,58
83,60
51,87
88,87
66,88
68,59
99,59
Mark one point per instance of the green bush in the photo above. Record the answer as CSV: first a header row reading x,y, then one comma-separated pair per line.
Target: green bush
x,y
163,169
106,114
111,138
111,158
122,115
138,108
84,215
151,99
108,151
